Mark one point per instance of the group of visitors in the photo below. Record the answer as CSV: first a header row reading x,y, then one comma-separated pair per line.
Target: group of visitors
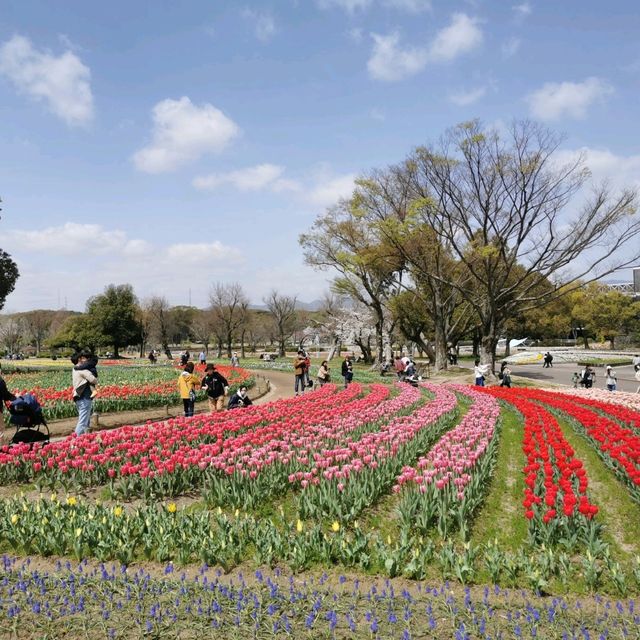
x,y
481,371
302,367
216,387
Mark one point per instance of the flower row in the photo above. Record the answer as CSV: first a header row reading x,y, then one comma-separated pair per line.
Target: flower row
x,y
452,477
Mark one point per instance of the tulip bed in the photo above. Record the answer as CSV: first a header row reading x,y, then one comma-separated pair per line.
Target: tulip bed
x,y
120,388
614,430
379,478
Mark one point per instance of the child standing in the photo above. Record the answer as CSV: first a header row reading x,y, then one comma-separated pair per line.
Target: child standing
x,y
187,385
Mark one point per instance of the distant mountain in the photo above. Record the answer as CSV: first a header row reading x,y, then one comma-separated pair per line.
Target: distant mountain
x,y
315,305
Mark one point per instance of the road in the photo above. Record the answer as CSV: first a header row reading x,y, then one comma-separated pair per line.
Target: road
x,y
561,374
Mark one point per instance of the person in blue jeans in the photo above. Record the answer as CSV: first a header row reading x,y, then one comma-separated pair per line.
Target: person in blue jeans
x,y
84,378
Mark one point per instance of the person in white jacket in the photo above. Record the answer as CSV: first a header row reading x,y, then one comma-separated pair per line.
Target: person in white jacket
x,y
480,371
84,381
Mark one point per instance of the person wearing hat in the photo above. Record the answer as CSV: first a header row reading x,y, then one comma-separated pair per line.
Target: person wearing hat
x,y
610,379
216,386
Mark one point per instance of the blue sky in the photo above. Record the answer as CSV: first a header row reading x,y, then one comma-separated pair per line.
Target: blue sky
x,y
173,145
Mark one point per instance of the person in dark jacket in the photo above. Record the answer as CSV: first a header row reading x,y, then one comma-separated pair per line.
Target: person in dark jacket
x,y
240,399
216,386
347,370
5,396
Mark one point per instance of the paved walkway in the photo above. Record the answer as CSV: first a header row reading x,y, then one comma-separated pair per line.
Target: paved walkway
x,y
561,374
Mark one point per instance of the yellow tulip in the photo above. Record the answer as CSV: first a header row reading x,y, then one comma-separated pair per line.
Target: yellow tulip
x,y
54,497
117,512
14,518
78,532
335,526
237,512
171,507
389,539
299,526
71,501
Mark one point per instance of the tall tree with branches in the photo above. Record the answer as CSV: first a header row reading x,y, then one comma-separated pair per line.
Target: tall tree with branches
x,y
229,306
283,313
505,209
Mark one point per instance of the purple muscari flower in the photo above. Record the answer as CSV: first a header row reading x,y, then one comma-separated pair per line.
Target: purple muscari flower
x,y
309,620
272,609
332,618
392,617
374,626
351,622
461,633
342,579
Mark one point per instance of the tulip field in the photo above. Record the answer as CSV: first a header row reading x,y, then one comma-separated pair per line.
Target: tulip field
x,y
120,387
376,510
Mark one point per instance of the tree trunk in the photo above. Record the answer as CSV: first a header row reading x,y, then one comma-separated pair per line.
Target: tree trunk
x,y
219,355
507,348
476,344
281,350
440,348
242,354
585,341
116,351
229,345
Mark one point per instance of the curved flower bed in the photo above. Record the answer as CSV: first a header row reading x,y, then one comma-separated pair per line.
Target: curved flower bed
x,y
119,389
556,501
452,476
617,444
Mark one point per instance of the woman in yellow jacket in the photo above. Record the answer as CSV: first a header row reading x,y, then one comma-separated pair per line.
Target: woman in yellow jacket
x,y
187,385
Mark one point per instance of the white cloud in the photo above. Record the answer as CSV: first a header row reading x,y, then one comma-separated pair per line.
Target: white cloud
x,y
461,36
465,98
412,6
203,253
351,6
182,132
74,239
76,261
249,179
264,24
555,100
619,171
391,62
62,82
328,190
510,47
522,11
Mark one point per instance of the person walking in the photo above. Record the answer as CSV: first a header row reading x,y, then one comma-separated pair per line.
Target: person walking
x,y
323,373
637,377
202,358
235,361
5,396
480,371
187,385
589,377
506,376
84,379
216,386
307,369
240,399
610,379
347,370
299,370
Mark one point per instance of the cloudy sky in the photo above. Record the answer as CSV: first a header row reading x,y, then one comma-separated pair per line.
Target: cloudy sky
x,y
175,144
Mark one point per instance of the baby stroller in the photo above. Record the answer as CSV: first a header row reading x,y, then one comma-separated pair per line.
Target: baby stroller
x,y
26,415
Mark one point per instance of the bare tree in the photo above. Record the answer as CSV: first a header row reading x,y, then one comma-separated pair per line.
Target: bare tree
x,y
229,305
38,326
202,328
12,333
160,318
283,312
343,239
